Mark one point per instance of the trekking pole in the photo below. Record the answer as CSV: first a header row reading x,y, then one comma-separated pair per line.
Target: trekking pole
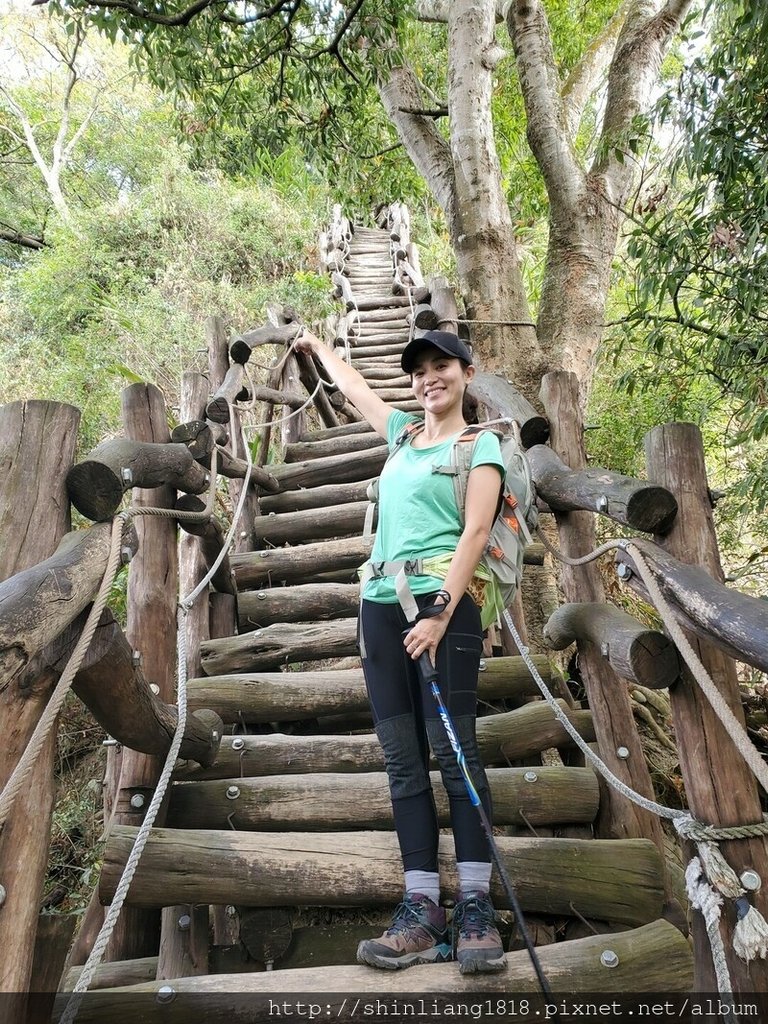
x,y
429,675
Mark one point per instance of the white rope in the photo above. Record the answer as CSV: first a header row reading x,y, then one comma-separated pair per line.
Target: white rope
x,y
132,863
189,600
282,419
750,937
142,837
709,903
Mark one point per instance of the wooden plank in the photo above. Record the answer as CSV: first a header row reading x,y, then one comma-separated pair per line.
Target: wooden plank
x,y
267,696
625,500
652,958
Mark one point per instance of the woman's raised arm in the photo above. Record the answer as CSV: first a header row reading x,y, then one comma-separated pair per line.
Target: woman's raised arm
x,y
348,380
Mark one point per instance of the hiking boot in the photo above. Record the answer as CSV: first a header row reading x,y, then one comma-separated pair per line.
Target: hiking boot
x,y
417,935
476,941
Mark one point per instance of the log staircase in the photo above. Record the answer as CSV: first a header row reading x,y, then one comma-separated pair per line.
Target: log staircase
x,y
291,829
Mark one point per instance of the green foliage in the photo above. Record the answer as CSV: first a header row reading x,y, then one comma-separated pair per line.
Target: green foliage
x,y
697,241
127,297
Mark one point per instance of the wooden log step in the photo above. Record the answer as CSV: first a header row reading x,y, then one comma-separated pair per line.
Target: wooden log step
x,y
387,349
655,957
344,430
363,362
631,502
395,394
374,373
412,406
383,316
336,802
635,652
312,524
614,879
339,468
298,564
305,562
316,497
293,696
522,734
257,609
378,303
112,975
379,338
736,622
299,451
279,644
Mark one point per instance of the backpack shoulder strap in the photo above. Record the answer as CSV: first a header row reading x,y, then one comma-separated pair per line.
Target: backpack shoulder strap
x,y
410,429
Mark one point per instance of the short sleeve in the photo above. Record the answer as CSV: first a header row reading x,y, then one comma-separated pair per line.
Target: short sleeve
x,y
487,452
396,424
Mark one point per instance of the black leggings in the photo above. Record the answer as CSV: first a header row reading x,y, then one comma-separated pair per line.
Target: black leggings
x,y
407,723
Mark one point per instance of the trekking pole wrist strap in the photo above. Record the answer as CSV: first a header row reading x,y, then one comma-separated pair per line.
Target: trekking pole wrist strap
x,y
434,609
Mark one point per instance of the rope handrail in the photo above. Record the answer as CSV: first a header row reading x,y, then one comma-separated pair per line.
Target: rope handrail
x,y
708,877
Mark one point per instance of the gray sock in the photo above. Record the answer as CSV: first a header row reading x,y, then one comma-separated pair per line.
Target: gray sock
x,y
425,882
474,876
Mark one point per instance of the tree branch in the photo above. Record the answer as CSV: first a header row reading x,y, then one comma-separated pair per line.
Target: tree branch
x,y
546,121
642,41
585,76
398,87
8,234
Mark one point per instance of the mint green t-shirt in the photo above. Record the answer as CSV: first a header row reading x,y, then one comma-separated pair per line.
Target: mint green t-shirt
x,y
418,517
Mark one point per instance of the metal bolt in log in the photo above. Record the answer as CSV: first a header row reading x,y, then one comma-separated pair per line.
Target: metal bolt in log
x,y
631,502
635,652
97,484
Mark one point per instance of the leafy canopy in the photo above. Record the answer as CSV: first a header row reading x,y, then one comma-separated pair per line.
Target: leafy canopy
x,y
698,299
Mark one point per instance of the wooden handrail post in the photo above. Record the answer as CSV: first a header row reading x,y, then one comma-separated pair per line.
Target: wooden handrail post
x,y
151,630
37,444
608,697
184,928
721,789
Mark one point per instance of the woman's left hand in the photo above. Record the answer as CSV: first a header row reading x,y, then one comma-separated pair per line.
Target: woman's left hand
x,y
425,636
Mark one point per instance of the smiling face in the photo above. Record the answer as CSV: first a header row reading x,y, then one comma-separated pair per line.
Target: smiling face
x,y
438,381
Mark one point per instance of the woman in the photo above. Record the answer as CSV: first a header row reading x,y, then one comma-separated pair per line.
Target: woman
x,y
418,519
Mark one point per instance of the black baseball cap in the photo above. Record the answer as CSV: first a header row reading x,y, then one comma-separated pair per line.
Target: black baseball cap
x,y
449,343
